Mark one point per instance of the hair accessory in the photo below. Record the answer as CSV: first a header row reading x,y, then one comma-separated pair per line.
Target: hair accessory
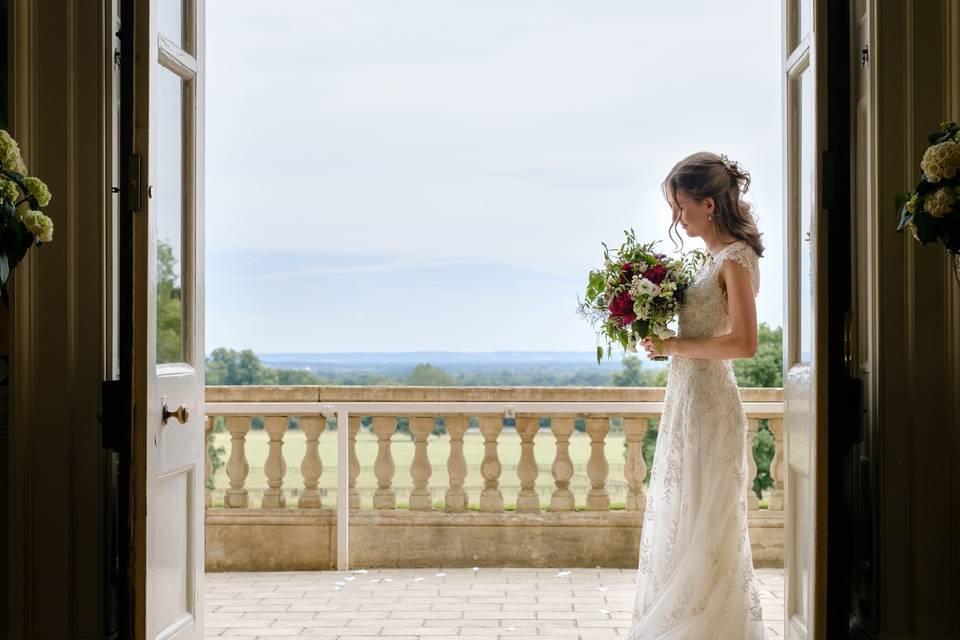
x,y
728,163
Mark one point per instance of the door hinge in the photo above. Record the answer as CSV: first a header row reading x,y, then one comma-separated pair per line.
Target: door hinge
x,y
133,193
113,416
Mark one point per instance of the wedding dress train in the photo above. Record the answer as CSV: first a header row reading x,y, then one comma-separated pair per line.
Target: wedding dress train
x,y
695,576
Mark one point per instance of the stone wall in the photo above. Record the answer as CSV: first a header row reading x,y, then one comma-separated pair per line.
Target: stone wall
x,y
305,539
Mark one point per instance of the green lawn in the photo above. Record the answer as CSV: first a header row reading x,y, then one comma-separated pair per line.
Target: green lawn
x,y
438,448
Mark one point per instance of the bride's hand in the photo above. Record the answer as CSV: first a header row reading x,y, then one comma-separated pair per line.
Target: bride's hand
x,y
666,347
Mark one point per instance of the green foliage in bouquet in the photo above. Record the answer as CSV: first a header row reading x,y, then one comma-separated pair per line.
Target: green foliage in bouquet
x,y
636,293
932,209
22,224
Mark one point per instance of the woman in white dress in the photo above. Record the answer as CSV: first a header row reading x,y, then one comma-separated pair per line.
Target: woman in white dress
x,y
695,577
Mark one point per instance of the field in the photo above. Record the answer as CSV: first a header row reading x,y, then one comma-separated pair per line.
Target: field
x,y
438,448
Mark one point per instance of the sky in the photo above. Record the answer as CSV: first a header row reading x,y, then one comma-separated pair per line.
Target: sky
x,y
439,175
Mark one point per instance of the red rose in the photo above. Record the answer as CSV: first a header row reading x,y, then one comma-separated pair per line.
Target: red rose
x,y
626,272
655,274
622,307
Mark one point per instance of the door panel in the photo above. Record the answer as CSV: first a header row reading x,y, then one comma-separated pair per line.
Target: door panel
x,y
804,328
168,319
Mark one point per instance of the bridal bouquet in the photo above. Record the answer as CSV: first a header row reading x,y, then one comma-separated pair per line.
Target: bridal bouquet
x,y
636,294
932,209
21,222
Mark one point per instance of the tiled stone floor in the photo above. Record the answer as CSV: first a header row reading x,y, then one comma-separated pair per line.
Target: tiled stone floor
x,y
437,604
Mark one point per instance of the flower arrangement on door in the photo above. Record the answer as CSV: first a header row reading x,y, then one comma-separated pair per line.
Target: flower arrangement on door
x,y
932,209
22,223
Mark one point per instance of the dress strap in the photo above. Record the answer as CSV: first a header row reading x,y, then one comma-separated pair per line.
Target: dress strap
x,y
744,255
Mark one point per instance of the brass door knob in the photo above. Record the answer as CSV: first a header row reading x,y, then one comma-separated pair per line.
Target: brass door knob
x,y
182,414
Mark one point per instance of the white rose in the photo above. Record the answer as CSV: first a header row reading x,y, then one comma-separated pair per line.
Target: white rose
x,y
940,202
644,286
941,161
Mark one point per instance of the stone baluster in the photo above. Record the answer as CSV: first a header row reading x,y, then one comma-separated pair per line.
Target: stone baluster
x,y
353,429
276,467
384,497
456,498
528,500
753,502
635,469
562,467
237,466
421,498
597,468
312,466
490,498
207,462
775,497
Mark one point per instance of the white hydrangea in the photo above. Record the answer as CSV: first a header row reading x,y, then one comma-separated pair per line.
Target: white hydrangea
x,y
38,224
940,202
8,190
10,154
641,307
941,161
38,190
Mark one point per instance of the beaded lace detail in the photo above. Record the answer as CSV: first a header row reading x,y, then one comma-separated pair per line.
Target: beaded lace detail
x,y
695,575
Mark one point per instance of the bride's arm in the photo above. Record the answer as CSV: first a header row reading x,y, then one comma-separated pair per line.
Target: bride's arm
x,y
741,342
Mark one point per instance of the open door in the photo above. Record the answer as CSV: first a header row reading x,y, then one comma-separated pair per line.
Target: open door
x,y
165,199
805,337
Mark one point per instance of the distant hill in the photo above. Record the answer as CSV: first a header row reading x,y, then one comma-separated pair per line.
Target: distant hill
x,y
452,361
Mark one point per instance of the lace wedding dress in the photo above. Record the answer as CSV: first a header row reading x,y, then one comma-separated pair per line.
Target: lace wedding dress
x,y
695,577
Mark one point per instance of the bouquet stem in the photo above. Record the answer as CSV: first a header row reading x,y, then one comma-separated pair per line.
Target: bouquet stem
x,y
659,344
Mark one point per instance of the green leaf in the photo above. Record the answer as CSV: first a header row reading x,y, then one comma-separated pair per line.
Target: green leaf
x,y
905,217
643,327
902,199
599,354
938,137
4,268
927,227
15,242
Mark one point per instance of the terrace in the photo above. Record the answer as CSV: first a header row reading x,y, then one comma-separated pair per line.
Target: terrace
x,y
520,516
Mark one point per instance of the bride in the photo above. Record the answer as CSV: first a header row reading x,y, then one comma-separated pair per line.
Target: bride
x,y
695,576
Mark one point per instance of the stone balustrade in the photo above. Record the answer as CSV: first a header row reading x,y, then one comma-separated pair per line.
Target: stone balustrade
x,y
543,527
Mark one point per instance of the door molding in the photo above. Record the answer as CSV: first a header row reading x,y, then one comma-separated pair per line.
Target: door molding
x,y
917,350
58,476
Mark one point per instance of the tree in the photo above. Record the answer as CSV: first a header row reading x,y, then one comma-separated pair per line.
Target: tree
x,y
633,375
229,367
765,368
426,375
169,316
296,376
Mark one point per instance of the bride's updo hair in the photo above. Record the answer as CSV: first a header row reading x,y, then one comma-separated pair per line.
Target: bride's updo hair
x,y
704,174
